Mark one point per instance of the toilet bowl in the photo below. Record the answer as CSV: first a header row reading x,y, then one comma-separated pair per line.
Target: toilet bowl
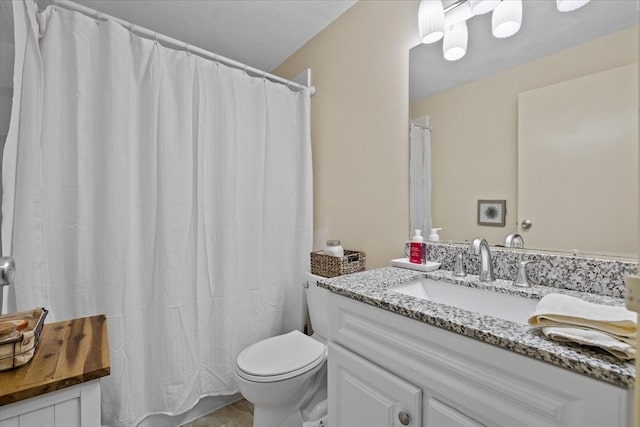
x,y
285,377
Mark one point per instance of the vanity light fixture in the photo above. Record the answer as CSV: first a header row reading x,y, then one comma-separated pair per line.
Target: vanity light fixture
x,y
569,5
454,45
447,19
431,21
506,19
480,7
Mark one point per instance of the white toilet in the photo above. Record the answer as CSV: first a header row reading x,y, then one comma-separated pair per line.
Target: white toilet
x,y
285,377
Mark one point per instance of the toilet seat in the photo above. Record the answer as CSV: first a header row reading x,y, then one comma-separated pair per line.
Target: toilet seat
x,y
281,357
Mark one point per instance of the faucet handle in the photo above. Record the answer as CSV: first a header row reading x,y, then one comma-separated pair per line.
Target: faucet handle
x,y
521,276
458,268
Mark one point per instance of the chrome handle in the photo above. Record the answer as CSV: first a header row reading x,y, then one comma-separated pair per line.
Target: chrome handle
x,y
526,224
404,418
521,275
7,270
458,268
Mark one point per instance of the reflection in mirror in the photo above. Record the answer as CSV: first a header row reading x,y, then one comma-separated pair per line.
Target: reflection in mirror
x,y
565,81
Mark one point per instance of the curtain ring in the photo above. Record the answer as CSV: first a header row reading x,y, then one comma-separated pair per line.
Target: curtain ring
x,y
99,18
216,59
155,38
186,46
132,29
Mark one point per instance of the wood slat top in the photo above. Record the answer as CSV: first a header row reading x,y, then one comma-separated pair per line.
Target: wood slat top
x,y
70,352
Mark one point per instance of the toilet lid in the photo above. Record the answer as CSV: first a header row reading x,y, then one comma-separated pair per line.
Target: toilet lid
x,y
281,355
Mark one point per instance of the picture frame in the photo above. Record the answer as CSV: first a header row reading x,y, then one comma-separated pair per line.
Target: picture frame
x,y
492,212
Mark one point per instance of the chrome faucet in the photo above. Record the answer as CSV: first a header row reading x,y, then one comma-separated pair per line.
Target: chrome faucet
x,y
514,240
479,246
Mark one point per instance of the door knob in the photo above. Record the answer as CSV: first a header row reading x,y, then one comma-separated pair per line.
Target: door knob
x,y
526,224
404,418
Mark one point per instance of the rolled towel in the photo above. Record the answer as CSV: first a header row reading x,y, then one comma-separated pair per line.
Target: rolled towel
x,y
564,310
620,349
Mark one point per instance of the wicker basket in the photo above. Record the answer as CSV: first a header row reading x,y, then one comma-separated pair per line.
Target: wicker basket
x,y
17,351
331,266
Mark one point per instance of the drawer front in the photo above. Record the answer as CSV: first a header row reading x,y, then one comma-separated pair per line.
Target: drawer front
x,y
491,385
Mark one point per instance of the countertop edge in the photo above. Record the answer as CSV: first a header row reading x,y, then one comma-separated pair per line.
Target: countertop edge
x,y
54,386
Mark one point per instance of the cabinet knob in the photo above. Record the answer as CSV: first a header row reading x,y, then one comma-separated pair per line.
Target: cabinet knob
x,y
404,418
526,224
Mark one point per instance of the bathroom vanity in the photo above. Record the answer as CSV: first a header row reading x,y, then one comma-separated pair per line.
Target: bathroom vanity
x,y
60,386
397,359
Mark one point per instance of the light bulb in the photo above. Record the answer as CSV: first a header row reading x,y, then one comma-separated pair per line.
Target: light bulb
x,y
506,18
454,45
431,21
480,7
569,5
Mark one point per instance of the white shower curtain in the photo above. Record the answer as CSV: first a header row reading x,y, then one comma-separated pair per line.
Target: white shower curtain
x,y
420,179
170,192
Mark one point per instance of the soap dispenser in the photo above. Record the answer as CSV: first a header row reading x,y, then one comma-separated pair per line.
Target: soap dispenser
x,y
416,248
434,236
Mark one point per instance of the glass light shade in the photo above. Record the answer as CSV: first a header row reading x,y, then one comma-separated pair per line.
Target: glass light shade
x,y
454,45
431,21
507,18
569,5
480,7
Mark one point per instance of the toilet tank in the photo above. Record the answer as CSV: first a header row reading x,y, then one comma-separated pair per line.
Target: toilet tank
x,y
317,302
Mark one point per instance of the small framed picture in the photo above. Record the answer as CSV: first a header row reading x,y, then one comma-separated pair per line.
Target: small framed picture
x,y
492,212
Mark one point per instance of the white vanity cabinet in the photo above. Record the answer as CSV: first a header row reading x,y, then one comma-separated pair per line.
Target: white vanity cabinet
x,y
76,406
367,395
382,364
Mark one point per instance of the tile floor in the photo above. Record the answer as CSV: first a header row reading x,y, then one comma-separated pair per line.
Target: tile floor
x,y
238,414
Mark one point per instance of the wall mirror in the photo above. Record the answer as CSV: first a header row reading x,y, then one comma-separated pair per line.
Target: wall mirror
x,y
546,120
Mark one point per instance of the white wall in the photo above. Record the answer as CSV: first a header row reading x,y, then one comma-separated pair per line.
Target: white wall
x,y
359,126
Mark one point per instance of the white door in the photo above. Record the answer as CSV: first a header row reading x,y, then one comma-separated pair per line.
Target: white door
x,y
363,394
578,163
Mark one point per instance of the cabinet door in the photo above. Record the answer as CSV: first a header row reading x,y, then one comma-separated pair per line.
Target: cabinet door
x,y
441,415
363,394
75,406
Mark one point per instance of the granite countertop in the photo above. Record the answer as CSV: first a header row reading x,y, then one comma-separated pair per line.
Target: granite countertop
x,y
371,287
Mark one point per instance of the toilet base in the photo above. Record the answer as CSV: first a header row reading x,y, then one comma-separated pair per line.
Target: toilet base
x,y
289,416
299,408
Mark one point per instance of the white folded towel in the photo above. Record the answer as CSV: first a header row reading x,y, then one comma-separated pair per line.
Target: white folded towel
x,y
591,337
564,310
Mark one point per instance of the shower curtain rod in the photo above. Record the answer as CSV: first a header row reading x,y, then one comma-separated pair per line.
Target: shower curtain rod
x,y
141,31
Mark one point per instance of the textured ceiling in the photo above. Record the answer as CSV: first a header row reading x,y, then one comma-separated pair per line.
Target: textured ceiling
x,y
544,31
260,33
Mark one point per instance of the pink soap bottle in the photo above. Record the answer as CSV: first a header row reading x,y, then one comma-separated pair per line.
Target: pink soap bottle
x,y
416,247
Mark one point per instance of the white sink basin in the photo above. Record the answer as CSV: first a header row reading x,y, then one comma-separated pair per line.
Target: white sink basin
x,y
508,307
